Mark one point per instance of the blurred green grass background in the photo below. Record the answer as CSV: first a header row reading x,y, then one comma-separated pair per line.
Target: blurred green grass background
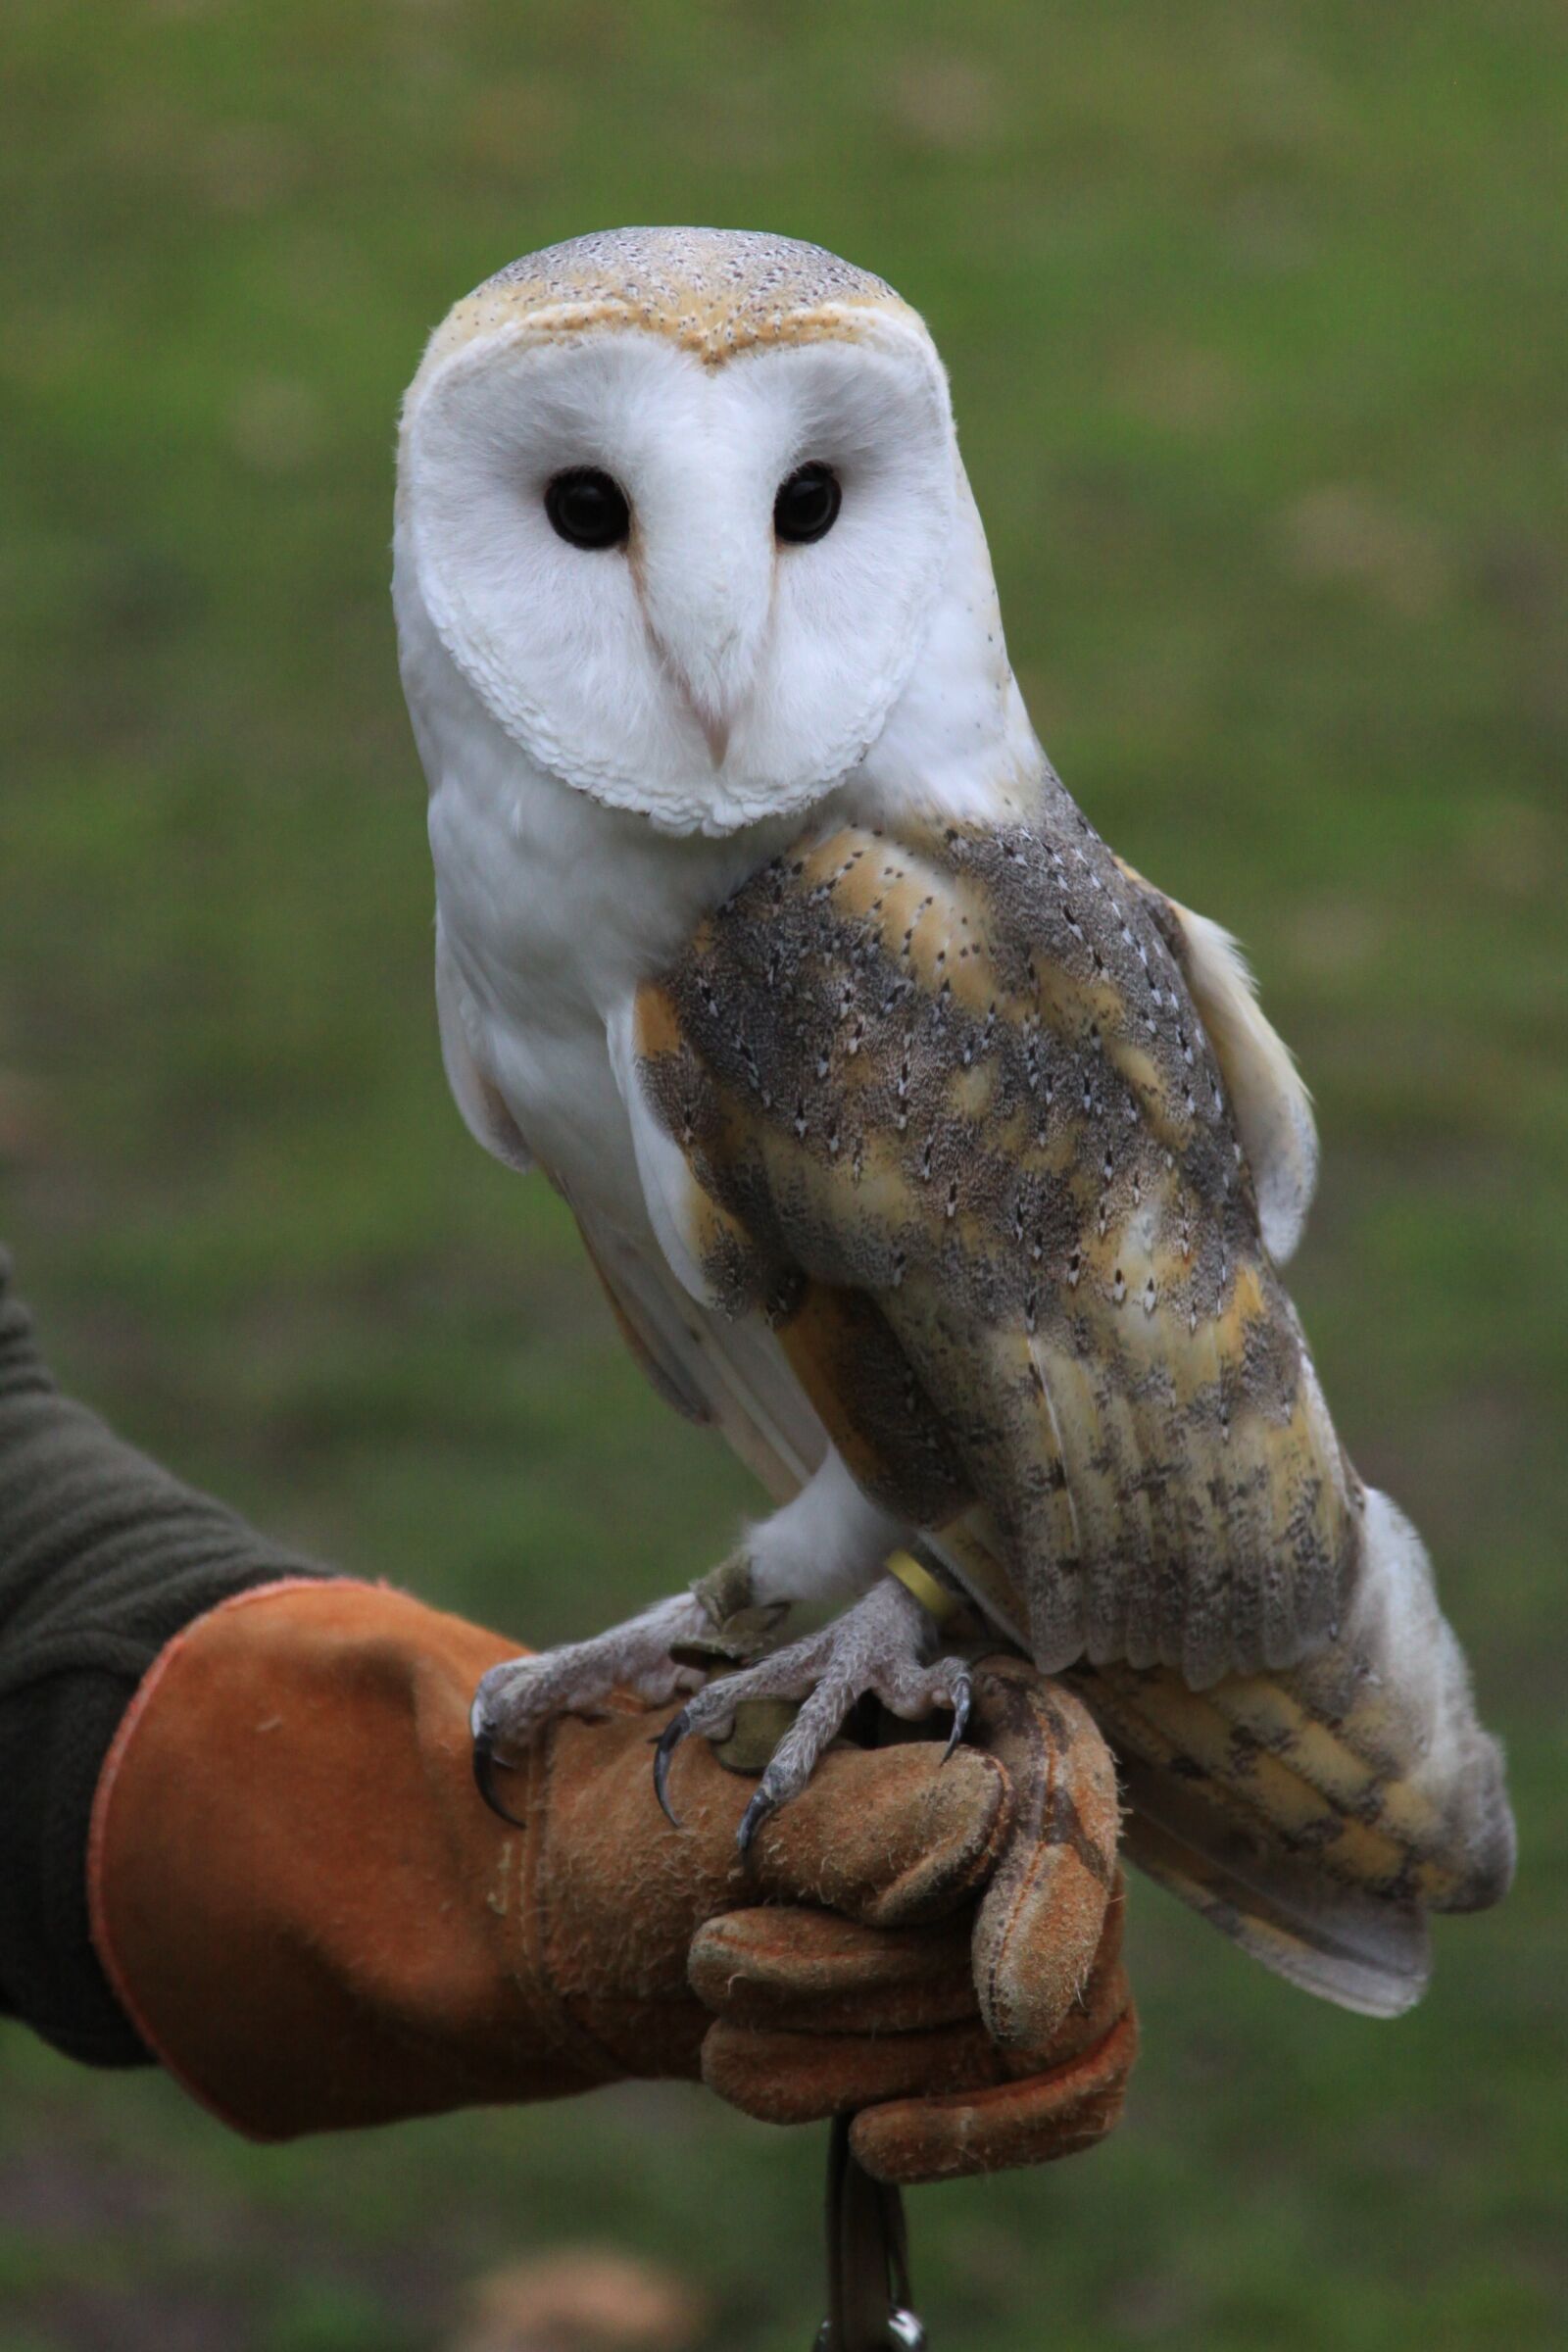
x,y
1258,329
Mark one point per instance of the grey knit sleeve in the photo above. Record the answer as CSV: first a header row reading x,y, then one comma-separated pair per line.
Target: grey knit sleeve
x,y
104,1558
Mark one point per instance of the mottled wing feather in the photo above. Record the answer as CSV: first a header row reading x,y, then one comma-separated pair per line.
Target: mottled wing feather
x,y
1342,1943
961,1074
944,1110
1272,1107
1299,1812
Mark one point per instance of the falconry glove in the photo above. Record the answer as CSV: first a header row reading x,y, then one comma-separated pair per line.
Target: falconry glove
x,y
323,1926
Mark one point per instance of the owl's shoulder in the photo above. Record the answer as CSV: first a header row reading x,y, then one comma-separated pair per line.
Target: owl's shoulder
x,y
939,946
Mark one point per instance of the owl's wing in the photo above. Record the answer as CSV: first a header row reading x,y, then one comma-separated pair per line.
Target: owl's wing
x,y
474,1090
941,1108
1268,1096
960,1077
729,1374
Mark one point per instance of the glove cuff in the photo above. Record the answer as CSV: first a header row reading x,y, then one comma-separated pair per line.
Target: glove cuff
x,y
295,1893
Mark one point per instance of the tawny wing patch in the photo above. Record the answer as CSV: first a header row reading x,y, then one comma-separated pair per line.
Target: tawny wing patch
x,y
959,1076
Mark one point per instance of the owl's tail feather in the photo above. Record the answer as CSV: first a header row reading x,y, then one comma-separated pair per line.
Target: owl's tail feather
x,y
1316,1814
1347,1947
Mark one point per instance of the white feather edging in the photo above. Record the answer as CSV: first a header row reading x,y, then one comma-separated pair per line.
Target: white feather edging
x,y
1273,1109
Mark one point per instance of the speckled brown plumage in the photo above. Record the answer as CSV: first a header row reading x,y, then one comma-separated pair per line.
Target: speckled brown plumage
x,y
953,1119
716,292
947,1114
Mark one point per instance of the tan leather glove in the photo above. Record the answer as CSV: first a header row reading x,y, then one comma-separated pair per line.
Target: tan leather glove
x,y
314,1921
1011,2035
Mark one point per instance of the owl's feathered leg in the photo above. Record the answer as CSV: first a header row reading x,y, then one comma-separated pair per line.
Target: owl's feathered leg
x,y
881,1645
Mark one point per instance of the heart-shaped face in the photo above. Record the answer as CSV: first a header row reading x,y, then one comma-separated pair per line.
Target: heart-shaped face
x,y
680,508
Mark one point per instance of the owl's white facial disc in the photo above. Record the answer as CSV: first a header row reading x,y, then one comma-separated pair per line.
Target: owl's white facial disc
x,y
702,669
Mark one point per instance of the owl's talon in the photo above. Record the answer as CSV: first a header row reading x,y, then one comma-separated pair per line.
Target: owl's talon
x,y
878,1648
962,1706
669,1739
486,1764
763,1806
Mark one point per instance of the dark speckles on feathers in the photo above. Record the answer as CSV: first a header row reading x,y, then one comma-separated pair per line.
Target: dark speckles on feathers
x,y
966,1118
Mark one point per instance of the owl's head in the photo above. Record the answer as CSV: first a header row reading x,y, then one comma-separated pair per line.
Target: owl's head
x,y
680,506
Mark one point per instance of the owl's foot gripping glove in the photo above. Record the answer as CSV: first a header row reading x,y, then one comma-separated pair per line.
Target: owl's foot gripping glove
x,y
313,1922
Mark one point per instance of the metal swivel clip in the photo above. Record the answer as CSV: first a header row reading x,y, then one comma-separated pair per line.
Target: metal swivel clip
x,y
868,2260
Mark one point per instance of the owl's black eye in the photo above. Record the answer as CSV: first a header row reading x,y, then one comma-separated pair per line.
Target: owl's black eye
x,y
807,505
587,509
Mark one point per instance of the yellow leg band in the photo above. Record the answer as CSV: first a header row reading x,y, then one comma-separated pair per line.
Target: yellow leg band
x,y
920,1581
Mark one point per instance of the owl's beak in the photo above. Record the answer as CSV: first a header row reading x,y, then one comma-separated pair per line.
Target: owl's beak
x,y
712,712
715,727
707,616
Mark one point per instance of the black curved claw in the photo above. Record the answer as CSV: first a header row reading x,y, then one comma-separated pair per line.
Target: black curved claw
x,y
485,1767
962,1706
669,1739
760,1809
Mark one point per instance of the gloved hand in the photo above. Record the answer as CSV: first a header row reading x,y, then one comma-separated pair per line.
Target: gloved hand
x,y
971,2019
313,1922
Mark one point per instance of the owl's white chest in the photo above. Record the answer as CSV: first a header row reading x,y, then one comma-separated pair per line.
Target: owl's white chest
x,y
552,909
513,926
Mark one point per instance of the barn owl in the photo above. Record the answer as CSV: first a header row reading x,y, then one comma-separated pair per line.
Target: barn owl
x,y
921,1146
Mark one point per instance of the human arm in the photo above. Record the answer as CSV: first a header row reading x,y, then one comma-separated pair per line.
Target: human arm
x,y
308,1915
104,1556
